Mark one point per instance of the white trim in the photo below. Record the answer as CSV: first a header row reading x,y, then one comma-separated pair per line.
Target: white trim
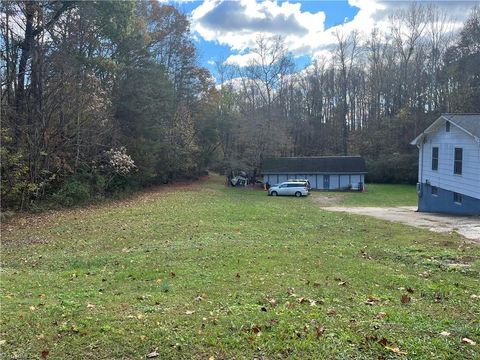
x,y
434,127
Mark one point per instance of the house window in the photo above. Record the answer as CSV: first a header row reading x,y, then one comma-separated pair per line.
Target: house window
x,y
457,166
447,126
457,198
435,158
434,190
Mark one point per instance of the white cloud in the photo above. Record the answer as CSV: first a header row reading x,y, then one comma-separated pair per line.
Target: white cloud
x,y
237,24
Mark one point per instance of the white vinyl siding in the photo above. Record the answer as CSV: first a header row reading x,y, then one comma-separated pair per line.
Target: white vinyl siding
x,y
468,183
344,181
333,182
355,180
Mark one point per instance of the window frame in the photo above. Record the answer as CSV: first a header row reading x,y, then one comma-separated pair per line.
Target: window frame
x,y
457,198
435,159
457,163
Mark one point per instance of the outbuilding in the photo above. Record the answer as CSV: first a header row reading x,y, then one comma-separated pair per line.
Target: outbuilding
x,y
323,172
449,165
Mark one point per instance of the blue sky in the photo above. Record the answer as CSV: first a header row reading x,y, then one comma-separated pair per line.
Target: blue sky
x,y
225,30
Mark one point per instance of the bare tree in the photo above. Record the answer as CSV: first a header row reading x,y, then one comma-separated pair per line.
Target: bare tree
x,y
346,52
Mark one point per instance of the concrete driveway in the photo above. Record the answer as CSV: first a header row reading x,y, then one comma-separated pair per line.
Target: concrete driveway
x,y
469,227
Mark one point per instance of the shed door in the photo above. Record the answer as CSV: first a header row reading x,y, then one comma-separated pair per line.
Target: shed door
x,y
326,181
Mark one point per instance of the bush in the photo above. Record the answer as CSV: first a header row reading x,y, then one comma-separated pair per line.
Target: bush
x,y
73,192
393,168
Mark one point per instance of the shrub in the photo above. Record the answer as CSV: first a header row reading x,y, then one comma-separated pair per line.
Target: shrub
x,y
393,168
73,192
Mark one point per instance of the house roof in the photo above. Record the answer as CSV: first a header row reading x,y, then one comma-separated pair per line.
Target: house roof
x,y
315,165
469,123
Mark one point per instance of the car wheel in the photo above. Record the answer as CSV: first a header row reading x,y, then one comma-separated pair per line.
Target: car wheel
x,y
298,194
274,193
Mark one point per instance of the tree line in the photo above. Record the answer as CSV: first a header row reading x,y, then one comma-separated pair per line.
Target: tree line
x,y
371,95
101,97
98,97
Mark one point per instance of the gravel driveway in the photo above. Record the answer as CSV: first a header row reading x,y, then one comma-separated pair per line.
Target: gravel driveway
x,y
469,227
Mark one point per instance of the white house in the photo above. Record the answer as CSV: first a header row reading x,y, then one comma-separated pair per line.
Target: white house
x,y
449,165
323,172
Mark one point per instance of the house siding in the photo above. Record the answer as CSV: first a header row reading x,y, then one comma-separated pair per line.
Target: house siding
x,y
443,202
337,181
468,183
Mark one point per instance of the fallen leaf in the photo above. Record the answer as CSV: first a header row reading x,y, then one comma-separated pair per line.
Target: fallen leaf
x,y
410,290
172,274
381,315
153,354
371,300
342,283
256,329
190,312
383,341
273,302
32,308
319,330
395,350
2,342
90,306
468,341
45,353
405,299
237,276
445,333
198,298
290,292
158,281
332,312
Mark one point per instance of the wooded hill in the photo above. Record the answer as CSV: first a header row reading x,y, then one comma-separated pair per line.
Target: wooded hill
x,y
101,97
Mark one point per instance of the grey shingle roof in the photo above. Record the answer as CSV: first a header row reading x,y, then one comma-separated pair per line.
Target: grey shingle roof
x,y
312,165
469,122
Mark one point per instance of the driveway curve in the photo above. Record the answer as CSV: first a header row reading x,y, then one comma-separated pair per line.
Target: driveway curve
x,y
467,226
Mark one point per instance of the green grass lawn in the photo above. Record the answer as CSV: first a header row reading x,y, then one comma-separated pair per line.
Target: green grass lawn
x,y
383,195
209,271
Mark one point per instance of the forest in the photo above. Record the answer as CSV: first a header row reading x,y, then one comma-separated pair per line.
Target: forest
x,y
103,97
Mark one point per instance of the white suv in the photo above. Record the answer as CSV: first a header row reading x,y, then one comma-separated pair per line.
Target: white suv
x,y
289,188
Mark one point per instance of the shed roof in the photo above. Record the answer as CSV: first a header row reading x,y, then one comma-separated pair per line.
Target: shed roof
x,y
469,123
315,165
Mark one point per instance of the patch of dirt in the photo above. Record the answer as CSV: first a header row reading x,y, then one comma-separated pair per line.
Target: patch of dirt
x,y
325,199
467,226
32,221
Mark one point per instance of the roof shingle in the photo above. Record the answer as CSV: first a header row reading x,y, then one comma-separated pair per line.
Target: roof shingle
x,y
469,122
312,165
